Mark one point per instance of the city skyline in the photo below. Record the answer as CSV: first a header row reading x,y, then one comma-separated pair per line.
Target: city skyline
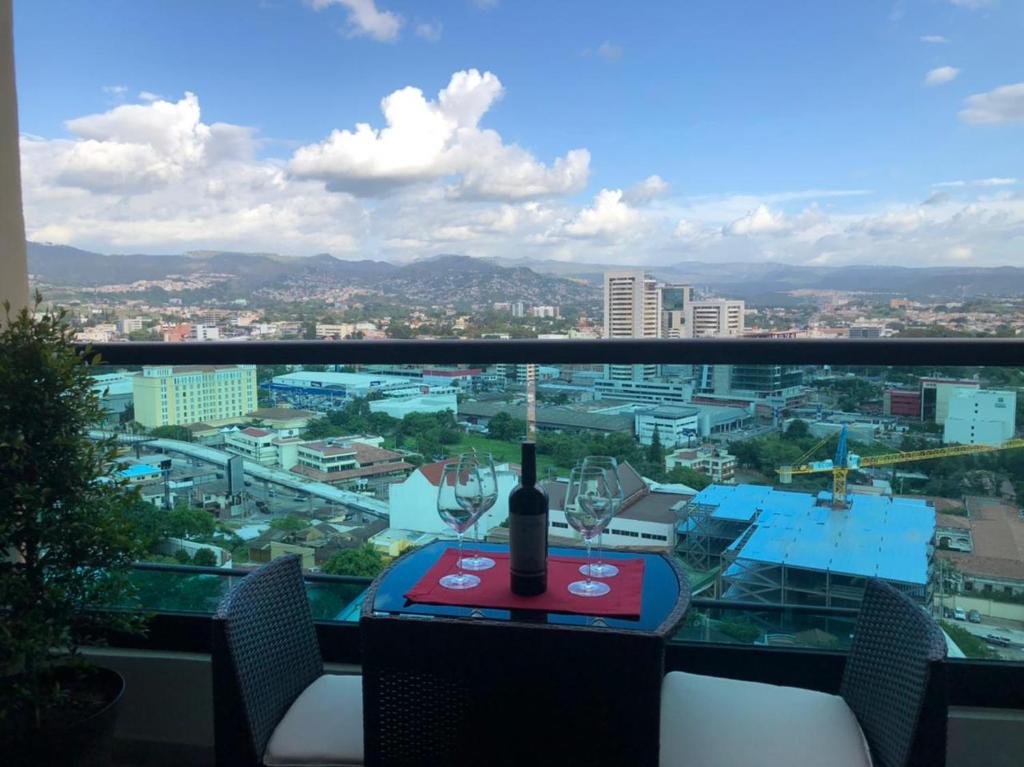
x,y
641,136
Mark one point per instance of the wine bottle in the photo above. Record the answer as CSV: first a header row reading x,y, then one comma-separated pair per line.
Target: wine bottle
x,y
528,529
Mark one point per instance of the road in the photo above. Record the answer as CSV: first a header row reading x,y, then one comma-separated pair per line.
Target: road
x,y
348,499
1012,630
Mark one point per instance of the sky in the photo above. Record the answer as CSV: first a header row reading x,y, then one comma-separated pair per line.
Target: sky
x,y
821,133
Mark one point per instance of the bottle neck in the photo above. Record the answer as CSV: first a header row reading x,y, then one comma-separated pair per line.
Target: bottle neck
x,y
529,464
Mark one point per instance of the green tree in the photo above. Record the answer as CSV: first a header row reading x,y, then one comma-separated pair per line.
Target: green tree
x,y
798,429
290,523
655,452
504,427
205,558
66,537
185,522
179,433
364,561
684,475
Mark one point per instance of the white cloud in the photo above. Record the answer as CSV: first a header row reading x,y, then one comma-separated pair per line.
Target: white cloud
x,y
117,91
994,181
609,51
429,30
941,75
609,216
365,19
428,140
149,96
762,220
157,177
934,39
1003,104
643,192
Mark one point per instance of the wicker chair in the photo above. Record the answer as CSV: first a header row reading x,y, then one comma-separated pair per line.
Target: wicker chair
x,y
273,704
890,711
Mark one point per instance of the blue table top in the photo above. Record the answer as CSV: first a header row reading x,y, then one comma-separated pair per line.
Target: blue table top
x,y
661,591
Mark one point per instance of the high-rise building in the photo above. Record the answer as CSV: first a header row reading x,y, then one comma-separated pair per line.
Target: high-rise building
x,y
980,417
714,318
171,396
674,300
632,309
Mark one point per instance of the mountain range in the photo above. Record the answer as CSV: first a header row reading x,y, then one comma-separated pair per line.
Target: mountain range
x,y
459,279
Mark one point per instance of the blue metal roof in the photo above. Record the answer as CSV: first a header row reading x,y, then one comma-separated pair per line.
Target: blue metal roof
x,y
138,470
876,536
738,503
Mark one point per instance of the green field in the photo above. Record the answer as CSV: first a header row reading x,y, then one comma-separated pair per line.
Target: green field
x,y
502,451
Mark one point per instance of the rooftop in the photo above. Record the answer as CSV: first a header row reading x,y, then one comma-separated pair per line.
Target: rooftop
x,y
876,536
281,413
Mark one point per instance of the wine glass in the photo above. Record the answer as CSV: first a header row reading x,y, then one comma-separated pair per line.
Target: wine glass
x,y
458,517
610,467
588,508
477,489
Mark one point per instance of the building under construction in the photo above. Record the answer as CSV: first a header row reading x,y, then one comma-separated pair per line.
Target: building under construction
x,y
783,547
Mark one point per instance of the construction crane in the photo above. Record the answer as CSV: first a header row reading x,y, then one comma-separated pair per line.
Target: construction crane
x,y
845,461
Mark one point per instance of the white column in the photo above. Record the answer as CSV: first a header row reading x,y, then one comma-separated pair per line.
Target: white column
x,y
13,258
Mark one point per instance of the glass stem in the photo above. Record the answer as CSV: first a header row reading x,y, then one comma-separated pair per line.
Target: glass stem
x,y
599,557
458,564
476,540
589,561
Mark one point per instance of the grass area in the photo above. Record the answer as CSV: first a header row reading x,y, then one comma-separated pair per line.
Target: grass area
x,y
502,451
972,646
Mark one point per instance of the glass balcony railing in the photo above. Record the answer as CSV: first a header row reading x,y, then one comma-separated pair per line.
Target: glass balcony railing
x,y
779,488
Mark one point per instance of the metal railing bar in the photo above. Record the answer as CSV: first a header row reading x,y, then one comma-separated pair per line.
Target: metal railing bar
x,y
905,352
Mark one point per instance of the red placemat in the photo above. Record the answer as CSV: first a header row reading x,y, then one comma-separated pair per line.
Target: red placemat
x,y
623,601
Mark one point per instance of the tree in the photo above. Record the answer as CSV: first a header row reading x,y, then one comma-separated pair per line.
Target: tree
x,y
798,429
655,452
185,522
506,428
205,558
364,561
179,433
291,523
684,475
66,537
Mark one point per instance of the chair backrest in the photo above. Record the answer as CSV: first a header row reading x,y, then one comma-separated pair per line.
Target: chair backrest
x,y
895,647
266,649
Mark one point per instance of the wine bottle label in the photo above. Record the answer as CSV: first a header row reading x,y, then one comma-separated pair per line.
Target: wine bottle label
x,y
528,539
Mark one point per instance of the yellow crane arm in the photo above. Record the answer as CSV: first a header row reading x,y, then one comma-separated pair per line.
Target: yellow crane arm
x,y
938,452
913,455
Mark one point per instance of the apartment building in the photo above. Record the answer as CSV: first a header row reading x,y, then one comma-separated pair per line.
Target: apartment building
x,y
177,395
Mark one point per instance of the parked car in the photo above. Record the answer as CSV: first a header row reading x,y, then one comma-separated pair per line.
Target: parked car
x,y
997,640
947,612
959,614
974,616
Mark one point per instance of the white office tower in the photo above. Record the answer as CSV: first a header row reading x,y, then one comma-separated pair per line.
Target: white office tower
x,y
715,318
632,309
980,417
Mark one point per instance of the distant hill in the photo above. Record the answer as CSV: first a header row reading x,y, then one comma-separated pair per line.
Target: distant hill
x,y
447,280
458,280
758,280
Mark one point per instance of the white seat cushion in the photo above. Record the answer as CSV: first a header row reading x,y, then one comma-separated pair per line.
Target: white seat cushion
x,y
712,722
323,727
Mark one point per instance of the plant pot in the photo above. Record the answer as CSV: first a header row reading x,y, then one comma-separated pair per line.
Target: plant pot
x,y
84,742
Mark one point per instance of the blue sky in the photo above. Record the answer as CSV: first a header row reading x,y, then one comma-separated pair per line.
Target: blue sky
x,y
808,132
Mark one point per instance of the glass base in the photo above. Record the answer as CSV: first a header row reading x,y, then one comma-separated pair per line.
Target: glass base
x,y
599,570
589,588
476,562
459,581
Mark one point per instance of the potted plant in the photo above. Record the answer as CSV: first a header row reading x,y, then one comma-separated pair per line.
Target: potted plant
x,y
66,547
